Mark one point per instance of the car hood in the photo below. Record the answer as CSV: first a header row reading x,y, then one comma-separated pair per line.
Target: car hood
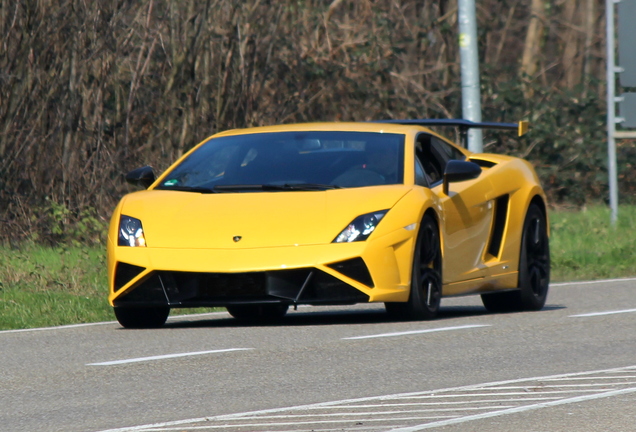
x,y
173,219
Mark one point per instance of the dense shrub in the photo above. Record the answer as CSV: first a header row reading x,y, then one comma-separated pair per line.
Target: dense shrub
x,y
90,90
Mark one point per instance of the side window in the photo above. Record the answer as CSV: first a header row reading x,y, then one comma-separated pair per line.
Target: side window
x,y
434,153
432,165
421,178
445,150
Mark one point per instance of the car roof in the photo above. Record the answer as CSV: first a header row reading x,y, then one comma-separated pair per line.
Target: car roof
x,y
330,126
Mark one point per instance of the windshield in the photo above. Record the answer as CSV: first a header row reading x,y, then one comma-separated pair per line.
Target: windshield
x,y
290,161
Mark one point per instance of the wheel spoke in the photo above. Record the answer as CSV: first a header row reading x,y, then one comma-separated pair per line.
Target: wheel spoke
x,y
430,248
536,238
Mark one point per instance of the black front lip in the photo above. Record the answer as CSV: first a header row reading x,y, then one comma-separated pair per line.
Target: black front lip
x,y
191,289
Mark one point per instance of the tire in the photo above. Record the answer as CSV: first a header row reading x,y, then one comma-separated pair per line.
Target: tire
x,y
258,312
426,277
141,317
534,269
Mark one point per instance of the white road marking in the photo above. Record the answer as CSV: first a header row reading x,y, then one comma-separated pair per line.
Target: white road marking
x,y
405,333
515,410
594,378
592,282
594,314
72,326
69,326
166,356
519,393
575,386
508,400
244,425
375,413
232,421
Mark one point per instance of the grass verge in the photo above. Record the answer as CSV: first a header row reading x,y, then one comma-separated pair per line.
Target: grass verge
x,y
584,245
43,286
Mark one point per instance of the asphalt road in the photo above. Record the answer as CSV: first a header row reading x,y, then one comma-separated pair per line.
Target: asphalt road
x,y
570,367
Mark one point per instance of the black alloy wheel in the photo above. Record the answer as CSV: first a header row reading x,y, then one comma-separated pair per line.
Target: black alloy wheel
x,y
142,317
426,277
534,269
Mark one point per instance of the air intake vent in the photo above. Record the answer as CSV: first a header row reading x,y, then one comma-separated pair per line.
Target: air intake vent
x,y
354,268
501,213
124,273
483,163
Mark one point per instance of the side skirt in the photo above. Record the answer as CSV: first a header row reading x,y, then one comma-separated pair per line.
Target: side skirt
x,y
504,282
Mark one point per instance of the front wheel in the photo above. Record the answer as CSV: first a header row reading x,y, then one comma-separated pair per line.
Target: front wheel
x,y
534,269
142,317
426,277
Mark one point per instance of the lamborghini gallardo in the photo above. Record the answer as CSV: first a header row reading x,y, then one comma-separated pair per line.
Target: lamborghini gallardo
x,y
262,219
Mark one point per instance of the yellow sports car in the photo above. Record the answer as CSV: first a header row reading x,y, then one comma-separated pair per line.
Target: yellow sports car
x,y
257,220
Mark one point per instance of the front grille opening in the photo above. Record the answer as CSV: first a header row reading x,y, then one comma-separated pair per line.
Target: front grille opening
x,y
355,269
124,273
185,289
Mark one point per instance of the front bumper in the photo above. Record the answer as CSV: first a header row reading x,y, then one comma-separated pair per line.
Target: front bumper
x,y
377,270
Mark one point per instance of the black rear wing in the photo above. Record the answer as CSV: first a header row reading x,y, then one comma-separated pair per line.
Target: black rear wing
x,y
463,125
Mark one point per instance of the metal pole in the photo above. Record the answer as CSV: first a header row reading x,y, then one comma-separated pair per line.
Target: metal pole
x,y
611,112
469,59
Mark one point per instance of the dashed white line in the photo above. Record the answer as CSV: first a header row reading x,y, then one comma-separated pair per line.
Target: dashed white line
x,y
166,356
593,314
412,332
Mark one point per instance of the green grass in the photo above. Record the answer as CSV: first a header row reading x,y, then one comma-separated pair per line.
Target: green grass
x,y
584,246
42,286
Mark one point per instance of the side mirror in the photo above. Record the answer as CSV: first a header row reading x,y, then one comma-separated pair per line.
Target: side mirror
x,y
457,171
143,176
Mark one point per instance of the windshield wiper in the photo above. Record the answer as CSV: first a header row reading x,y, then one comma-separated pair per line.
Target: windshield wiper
x,y
253,187
274,187
187,189
238,188
300,187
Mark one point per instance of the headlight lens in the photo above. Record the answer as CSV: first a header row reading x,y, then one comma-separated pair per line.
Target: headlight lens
x,y
131,233
360,228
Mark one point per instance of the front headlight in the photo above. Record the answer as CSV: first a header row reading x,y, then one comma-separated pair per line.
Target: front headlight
x,y
360,228
131,233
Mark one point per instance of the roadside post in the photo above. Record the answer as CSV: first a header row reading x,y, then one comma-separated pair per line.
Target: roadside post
x,y
626,101
469,63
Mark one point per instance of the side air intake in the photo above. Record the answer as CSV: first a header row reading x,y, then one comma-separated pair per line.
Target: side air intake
x,y
499,225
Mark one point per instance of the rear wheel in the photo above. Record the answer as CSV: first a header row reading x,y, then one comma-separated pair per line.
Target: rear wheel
x,y
258,312
142,317
426,278
534,269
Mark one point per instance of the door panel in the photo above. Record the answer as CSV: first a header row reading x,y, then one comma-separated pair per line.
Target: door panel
x,y
466,213
467,218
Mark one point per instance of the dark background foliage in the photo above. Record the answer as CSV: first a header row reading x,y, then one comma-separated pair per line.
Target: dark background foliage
x,y
91,90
